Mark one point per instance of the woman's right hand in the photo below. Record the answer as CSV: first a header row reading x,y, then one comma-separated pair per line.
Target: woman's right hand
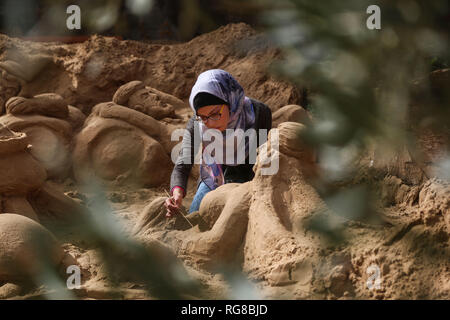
x,y
173,204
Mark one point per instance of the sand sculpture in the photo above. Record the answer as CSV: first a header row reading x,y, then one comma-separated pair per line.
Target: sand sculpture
x,y
125,143
21,173
154,103
9,87
291,113
49,124
259,224
16,71
23,186
26,199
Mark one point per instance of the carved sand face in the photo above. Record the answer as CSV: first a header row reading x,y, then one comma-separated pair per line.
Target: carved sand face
x,y
143,100
150,103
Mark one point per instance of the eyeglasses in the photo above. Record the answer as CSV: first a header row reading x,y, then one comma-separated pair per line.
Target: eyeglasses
x,y
213,117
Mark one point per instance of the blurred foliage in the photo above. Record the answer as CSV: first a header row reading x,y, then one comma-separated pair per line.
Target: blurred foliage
x,y
148,265
125,257
360,85
151,265
167,20
438,63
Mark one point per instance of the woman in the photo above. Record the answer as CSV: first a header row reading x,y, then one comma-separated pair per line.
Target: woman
x,y
218,102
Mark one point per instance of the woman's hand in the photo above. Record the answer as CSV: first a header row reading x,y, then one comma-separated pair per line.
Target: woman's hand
x,y
173,204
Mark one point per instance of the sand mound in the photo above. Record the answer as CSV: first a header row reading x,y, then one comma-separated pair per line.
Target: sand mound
x,y
25,247
434,204
154,216
88,73
24,66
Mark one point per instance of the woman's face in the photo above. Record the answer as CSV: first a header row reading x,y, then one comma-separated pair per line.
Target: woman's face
x,y
214,111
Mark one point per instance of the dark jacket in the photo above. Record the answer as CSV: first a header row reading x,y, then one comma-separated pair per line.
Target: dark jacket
x,y
240,173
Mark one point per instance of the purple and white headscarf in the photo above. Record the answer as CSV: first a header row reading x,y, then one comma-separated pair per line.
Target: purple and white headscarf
x,y
242,116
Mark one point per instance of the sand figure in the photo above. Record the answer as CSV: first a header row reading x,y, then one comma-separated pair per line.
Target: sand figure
x,y
49,124
119,144
291,113
154,103
23,186
278,248
16,71
259,224
20,173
